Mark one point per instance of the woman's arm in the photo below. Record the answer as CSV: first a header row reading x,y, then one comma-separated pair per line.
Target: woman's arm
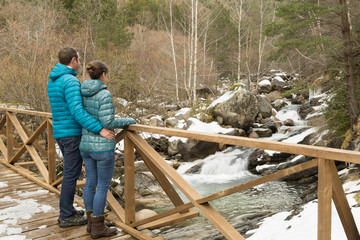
x,y
106,114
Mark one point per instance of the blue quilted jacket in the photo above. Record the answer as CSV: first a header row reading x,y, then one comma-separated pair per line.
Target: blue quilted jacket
x,y
68,113
98,102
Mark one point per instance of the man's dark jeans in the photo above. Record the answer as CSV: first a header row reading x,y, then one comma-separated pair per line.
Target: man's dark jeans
x,y
72,169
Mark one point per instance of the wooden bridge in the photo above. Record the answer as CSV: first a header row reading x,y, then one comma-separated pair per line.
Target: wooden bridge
x,y
16,139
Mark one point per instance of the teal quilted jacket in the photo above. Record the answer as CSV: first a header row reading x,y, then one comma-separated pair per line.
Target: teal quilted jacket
x,y
98,103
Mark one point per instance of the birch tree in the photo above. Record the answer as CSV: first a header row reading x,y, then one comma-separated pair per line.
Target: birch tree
x,y
263,6
194,99
239,11
173,51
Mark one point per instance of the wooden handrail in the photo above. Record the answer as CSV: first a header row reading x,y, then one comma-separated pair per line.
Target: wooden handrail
x,y
298,149
27,112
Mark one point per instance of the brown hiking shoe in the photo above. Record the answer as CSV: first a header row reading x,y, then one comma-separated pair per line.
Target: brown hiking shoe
x,y
74,220
77,212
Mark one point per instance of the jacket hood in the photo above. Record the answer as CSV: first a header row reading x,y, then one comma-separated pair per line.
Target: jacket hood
x,y
91,87
60,70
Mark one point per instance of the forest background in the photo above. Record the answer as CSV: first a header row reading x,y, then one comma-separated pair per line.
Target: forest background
x,y
172,51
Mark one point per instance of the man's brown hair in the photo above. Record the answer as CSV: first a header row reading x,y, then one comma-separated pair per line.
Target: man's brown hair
x,y
66,54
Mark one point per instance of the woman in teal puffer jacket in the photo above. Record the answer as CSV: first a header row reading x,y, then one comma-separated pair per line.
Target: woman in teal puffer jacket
x,y
98,152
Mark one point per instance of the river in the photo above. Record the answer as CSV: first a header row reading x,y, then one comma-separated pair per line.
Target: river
x,y
229,168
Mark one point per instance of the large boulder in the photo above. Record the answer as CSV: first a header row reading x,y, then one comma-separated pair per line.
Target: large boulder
x,y
194,149
239,111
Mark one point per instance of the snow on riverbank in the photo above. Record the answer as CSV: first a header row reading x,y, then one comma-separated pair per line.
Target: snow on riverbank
x,y
304,225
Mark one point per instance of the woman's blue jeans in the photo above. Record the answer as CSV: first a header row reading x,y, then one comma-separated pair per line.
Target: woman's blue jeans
x,y
99,169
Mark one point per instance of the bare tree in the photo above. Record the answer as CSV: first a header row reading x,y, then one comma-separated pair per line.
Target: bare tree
x,y
349,63
262,40
173,52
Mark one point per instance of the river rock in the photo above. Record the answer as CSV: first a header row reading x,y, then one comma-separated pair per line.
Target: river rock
x,y
183,114
264,106
173,146
118,190
289,122
195,169
143,214
278,104
272,126
278,83
171,122
237,132
265,86
159,144
220,120
262,132
256,158
305,109
273,96
140,166
194,149
238,111
156,121
253,135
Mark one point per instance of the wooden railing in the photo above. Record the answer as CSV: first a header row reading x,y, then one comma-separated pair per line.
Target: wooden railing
x,y
329,185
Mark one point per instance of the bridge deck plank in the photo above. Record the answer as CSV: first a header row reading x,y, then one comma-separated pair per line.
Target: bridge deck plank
x,y
41,225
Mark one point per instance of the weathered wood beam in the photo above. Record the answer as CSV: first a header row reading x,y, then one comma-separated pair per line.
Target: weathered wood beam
x,y
129,181
324,200
172,219
51,152
27,112
342,205
9,137
163,214
32,140
299,149
115,206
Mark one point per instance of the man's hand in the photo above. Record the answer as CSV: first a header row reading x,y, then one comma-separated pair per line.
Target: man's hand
x,y
107,133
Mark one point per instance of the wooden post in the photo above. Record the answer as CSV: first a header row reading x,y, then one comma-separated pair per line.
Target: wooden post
x,y
324,200
342,205
129,181
51,154
9,137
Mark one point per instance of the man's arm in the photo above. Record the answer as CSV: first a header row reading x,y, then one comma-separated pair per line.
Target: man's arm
x,y
74,100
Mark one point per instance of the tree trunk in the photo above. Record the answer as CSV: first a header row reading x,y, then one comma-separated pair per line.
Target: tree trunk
x,y
349,64
239,12
174,53
195,52
191,51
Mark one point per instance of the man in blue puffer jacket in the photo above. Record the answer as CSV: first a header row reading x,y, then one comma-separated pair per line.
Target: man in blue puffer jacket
x,y
69,116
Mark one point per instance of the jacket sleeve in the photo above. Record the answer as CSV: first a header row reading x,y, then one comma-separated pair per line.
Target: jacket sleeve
x,y
106,114
74,99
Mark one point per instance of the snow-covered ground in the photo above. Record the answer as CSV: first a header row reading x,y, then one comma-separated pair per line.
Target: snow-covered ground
x,y
304,225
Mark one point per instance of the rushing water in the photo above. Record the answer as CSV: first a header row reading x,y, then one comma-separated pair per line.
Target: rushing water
x,y
228,169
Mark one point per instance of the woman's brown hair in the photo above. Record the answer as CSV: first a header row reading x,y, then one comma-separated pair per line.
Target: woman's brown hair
x,y
95,69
